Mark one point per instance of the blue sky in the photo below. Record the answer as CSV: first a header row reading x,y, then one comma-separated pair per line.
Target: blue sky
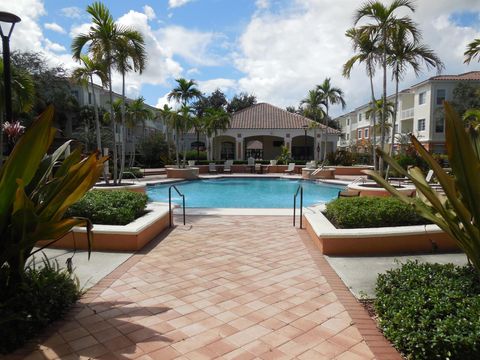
x,y
275,49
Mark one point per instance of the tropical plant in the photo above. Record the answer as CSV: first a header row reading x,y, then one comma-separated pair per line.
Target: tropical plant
x,y
137,111
364,44
284,157
35,191
330,95
377,111
383,20
402,54
184,92
215,120
473,51
13,130
458,211
114,45
166,115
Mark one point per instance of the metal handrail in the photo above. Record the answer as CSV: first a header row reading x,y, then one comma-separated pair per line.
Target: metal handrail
x,y
170,203
300,188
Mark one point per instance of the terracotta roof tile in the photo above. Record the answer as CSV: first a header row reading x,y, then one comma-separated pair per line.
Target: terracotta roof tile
x,y
471,75
266,116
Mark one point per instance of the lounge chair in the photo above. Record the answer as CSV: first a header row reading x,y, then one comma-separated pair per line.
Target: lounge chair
x,y
191,163
258,168
291,168
227,167
251,164
212,168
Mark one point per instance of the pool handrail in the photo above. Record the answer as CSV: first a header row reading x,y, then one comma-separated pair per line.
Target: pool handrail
x,y
300,188
170,203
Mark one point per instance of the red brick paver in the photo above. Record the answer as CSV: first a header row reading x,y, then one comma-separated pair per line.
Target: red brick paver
x,y
231,287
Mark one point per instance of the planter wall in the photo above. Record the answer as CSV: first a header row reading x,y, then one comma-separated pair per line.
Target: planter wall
x,y
183,173
376,241
131,237
351,170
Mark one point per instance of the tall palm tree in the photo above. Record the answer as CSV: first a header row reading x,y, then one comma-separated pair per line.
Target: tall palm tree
x,y
23,96
129,54
405,53
103,39
84,75
378,111
383,19
216,119
185,91
312,106
473,51
136,112
331,95
365,46
166,114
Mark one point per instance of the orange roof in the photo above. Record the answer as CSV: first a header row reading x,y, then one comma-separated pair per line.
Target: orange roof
x,y
471,75
266,116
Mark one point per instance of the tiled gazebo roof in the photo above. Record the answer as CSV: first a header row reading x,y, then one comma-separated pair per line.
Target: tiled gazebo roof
x,y
266,116
471,75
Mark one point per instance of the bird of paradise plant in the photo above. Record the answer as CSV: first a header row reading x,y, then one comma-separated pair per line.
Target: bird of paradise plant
x,y
458,211
36,189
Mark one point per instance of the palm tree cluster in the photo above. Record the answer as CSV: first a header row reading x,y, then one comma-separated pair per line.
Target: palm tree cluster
x,y
206,115
382,39
110,47
317,103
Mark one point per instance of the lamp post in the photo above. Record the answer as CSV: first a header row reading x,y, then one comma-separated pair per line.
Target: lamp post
x,y
305,128
318,152
9,19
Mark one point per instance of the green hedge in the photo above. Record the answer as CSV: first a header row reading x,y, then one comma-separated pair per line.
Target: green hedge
x,y
117,207
365,212
45,296
431,311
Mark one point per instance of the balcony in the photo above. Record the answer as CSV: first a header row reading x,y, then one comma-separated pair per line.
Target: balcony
x,y
406,114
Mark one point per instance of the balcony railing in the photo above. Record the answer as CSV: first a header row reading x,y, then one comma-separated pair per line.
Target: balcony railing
x,y
405,114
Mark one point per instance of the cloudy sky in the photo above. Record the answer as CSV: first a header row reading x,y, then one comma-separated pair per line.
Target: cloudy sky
x,y
275,49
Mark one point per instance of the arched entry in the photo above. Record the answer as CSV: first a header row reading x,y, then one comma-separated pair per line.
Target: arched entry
x,y
223,148
263,147
227,150
254,149
302,147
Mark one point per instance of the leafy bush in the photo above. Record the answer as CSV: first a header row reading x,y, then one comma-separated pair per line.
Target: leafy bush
x,y
192,155
44,296
341,157
430,311
110,207
365,212
154,151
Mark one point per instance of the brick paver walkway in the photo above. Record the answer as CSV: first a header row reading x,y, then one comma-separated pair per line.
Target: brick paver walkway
x,y
231,287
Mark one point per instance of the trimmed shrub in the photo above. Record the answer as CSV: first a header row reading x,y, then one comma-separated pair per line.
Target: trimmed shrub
x,y
430,311
365,212
117,207
45,296
192,155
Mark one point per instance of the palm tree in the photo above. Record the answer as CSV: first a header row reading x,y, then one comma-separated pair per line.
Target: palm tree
x,y
104,38
216,119
330,96
312,106
364,44
84,75
473,51
378,111
137,111
167,114
405,53
383,20
23,96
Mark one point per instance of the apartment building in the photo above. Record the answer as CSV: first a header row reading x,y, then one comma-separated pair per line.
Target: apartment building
x,y
419,112
84,97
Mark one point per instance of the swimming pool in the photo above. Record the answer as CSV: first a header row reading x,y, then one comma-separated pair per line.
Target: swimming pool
x,y
244,193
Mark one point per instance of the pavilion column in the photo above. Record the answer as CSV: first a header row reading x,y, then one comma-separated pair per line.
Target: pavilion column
x,y
239,144
317,147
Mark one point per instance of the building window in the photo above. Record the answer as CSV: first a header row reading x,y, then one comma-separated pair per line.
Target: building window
x,y
396,129
89,98
347,136
348,122
360,133
421,98
421,125
359,117
440,96
366,133
439,125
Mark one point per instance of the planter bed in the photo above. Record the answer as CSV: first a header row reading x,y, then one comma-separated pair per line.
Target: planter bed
x,y
376,241
130,237
140,188
351,170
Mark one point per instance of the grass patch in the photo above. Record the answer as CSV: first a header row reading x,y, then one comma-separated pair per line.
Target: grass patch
x,y
368,212
430,311
116,207
46,295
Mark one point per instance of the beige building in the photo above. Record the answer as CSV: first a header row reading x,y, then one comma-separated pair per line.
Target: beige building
x,y
419,112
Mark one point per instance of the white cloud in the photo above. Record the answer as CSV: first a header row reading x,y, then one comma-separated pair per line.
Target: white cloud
x,y
164,101
209,86
285,53
177,3
148,10
78,29
262,4
55,47
73,12
54,27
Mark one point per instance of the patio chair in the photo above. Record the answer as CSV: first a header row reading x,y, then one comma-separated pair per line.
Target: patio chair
x,y
212,168
291,168
258,168
191,163
227,167
251,164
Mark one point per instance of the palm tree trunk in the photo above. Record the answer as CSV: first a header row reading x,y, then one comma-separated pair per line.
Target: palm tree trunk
x,y
384,105
184,150
1,137
394,121
114,126
198,147
177,148
374,119
326,135
124,133
97,128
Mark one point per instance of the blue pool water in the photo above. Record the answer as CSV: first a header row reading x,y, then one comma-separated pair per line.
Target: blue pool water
x,y
244,193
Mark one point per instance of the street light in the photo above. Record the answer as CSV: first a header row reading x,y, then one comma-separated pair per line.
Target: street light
x,y
8,19
11,19
318,152
305,128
